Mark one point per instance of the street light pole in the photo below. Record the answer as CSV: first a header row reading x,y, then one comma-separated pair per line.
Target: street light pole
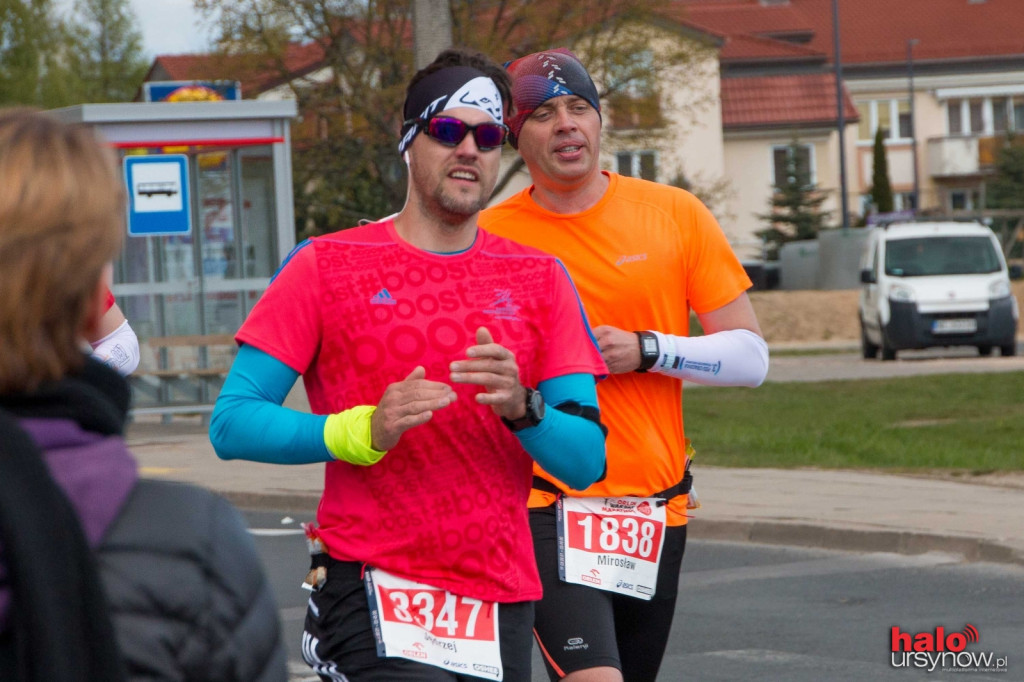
x,y
913,133
840,115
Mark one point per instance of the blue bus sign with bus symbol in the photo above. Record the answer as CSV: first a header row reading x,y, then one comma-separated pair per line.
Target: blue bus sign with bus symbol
x,y
158,195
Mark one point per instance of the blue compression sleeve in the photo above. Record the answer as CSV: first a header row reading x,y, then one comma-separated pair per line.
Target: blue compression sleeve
x,y
569,447
250,422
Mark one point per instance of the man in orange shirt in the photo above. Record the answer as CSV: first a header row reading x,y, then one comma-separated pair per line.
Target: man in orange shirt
x,y
642,256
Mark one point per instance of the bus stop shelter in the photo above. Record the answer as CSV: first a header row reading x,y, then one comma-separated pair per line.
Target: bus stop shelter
x,y
210,217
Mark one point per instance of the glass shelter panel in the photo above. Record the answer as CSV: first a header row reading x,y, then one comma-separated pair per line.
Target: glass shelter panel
x,y
258,210
186,294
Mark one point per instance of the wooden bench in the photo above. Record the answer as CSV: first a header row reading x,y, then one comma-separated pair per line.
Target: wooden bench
x,y
187,363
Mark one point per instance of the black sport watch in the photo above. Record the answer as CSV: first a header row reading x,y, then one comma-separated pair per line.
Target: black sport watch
x,y
534,412
649,351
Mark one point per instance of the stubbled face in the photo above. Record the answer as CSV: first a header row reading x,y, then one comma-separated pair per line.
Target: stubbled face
x,y
560,142
453,183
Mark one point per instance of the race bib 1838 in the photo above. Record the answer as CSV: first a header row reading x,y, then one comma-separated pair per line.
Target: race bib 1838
x,y
611,543
433,626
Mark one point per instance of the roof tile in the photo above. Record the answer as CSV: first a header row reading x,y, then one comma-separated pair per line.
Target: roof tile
x,y
872,31
784,101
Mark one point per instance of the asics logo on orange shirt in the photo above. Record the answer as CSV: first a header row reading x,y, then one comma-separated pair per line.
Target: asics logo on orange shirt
x,y
631,258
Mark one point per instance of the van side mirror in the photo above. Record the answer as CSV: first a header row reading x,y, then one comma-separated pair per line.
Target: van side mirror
x,y
867,276
1016,272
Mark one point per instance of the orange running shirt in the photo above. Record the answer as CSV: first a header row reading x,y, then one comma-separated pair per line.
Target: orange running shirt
x,y
641,258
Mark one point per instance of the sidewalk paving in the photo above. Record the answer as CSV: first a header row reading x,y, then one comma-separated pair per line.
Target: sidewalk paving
x,y
982,520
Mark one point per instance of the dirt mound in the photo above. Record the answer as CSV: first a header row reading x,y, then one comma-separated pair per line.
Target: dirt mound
x,y
807,316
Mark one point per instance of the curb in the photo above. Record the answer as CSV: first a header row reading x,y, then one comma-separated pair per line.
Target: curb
x,y
825,537
297,504
972,549
830,345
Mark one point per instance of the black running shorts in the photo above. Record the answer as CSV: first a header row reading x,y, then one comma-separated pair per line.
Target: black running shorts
x,y
580,627
339,645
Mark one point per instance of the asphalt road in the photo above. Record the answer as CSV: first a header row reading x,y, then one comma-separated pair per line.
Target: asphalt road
x,y
765,612
785,365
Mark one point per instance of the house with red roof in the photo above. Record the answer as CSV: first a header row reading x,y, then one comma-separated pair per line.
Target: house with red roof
x,y
944,80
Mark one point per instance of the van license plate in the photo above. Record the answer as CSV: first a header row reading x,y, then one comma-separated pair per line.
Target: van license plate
x,y
960,326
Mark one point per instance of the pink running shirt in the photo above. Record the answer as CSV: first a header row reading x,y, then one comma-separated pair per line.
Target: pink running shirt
x,y
356,310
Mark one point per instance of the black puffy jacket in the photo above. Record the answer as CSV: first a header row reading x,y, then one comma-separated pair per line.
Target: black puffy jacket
x,y
186,589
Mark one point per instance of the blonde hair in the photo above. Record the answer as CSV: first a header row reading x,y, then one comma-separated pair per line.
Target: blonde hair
x,y
62,210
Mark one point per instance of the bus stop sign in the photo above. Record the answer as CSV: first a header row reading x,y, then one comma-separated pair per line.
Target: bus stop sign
x,y
158,198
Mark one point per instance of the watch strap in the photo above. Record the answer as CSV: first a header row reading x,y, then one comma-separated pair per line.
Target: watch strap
x,y
530,418
649,350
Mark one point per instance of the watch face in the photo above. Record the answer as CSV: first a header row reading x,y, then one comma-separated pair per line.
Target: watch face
x,y
535,408
650,346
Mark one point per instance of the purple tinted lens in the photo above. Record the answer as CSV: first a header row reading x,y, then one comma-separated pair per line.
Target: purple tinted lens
x,y
489,135
451,131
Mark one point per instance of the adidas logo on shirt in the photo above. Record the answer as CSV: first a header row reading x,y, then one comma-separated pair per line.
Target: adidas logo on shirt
x,y
382,297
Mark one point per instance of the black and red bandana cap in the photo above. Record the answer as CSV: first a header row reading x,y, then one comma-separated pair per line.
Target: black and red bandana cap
x,y
538,77
455,86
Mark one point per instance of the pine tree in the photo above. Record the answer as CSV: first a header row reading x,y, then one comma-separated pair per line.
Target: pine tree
x,y
794,207
881,188
1006,190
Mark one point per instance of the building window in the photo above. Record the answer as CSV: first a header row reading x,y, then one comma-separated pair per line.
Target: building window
x,y
1000,114
903,127
638,164
634,98
793,163
883,119
903,201
977,117
964,199
985,115
953,120
891,115
864,125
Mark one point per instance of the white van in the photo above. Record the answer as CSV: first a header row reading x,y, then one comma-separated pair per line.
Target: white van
x,y
927,284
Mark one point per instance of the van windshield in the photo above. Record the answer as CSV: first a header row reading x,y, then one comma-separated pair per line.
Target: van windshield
x,y
930,256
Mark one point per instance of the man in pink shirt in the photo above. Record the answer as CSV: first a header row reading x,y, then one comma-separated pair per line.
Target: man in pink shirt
x,y
428,349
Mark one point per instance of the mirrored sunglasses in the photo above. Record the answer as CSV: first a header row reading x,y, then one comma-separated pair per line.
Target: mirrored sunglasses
x,y
451,131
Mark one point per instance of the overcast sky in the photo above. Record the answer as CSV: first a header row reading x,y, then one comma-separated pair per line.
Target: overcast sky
x,y
169,27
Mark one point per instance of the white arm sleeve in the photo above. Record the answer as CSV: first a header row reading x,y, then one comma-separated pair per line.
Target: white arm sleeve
x,y
734,357
119,349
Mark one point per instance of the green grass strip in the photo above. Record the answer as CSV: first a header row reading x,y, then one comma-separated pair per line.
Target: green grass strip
x,y
971,422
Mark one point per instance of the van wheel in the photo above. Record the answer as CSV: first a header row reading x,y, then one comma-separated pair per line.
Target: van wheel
x,y
888,352
868,349
985,351
1008,350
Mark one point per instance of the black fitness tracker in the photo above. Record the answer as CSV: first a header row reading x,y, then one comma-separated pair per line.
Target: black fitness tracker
x,y
534,412
649,351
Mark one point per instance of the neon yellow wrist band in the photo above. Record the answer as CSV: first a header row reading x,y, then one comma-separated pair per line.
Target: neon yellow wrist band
x,y
348,438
